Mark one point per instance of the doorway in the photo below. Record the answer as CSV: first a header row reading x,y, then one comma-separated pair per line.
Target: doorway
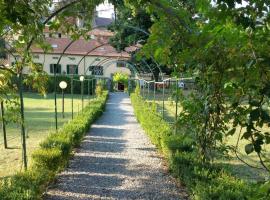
x,y
121,87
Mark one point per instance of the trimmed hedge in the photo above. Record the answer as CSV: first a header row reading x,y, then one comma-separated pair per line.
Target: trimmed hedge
x,y
204,181
52,156
59,78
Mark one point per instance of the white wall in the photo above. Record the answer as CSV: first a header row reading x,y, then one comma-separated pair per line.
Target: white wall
x,y
109,65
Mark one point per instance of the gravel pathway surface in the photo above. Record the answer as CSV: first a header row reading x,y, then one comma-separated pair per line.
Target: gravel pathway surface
x,y
116,161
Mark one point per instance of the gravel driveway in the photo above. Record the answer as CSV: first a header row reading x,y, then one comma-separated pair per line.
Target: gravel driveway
x,y
116,161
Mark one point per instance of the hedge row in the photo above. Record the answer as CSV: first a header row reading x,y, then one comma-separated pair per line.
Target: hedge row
x,y
204,181
59,78
52,156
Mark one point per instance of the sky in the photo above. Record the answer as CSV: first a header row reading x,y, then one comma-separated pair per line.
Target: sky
x,y
105,10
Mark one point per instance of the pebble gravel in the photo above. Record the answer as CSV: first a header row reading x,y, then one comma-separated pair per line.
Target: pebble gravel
x,y
116,161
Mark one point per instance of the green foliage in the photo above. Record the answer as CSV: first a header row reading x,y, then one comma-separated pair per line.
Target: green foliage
x,y
121,77
52,156
204,181
223,47
50,84
100,88
150,120
129,27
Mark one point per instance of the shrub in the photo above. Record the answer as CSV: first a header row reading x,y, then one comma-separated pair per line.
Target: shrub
x,y
52,156
49,158
59,78
205,181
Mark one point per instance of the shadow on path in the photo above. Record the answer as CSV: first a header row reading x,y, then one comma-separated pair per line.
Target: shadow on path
x,y
115,161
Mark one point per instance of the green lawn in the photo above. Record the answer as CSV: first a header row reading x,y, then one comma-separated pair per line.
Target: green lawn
x,y
232,164
39,120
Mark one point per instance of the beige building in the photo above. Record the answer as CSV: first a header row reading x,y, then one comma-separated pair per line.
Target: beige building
x,y
83,57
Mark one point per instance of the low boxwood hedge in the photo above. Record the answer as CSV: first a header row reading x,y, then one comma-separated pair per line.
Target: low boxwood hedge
x,y
52,156
203,181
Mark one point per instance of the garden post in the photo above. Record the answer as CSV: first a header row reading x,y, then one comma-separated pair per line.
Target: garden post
x,y
176,105
55,99
148,90
82,88
88,89
72,96
63,103
4,124
163,96
24,155
143,87
154,91
63,85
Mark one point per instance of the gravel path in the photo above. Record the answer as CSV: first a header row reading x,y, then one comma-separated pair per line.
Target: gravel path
x,y
116,161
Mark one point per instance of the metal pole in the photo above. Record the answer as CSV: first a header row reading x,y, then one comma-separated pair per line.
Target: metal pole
x,y
63,104
176,105
72,96
163,103
88,89
148,91
22,121
154,91
55,98
82,84
143,87
92,84
4,124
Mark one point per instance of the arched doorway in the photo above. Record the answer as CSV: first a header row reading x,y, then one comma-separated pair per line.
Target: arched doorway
x,y
120,86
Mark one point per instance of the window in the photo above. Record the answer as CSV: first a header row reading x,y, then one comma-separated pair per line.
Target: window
x,y
59,35
121,64
96,70
55,67
72,69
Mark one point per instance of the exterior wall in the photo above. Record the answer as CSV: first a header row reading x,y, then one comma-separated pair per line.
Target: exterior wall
x,y
109,65
112,69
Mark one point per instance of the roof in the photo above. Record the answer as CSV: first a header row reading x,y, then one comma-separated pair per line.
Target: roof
x,y
133,48
82,47
103,22
101,32
4,62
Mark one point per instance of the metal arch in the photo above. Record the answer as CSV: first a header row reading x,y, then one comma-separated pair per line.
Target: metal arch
x,y
146,64
112,60
90,52
129,64
158,66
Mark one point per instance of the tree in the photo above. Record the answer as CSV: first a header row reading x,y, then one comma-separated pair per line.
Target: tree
x,y
223,46
21,26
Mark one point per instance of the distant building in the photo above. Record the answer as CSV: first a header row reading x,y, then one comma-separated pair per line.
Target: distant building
x,y
95,56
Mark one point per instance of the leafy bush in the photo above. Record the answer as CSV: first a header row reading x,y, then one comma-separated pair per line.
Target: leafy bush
x,y
59,78
52,156
204,181
99,90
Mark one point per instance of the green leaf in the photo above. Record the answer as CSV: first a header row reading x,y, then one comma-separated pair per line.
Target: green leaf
x,y
249,148
258,145
246,135
255,114
232,131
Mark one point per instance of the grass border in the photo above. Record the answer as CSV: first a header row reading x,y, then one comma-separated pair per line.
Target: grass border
x,y
53,155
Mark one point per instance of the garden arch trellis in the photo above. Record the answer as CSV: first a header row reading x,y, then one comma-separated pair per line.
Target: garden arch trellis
x,y
20,74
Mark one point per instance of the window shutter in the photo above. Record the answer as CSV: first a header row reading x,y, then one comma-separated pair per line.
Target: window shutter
x,y
51,68
68,69
77,69
59,70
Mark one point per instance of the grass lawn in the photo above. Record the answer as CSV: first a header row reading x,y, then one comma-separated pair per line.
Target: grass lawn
x,y
234,165
39,120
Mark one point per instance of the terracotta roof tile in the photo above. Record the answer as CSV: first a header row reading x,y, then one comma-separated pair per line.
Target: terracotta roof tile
x,y
81,47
